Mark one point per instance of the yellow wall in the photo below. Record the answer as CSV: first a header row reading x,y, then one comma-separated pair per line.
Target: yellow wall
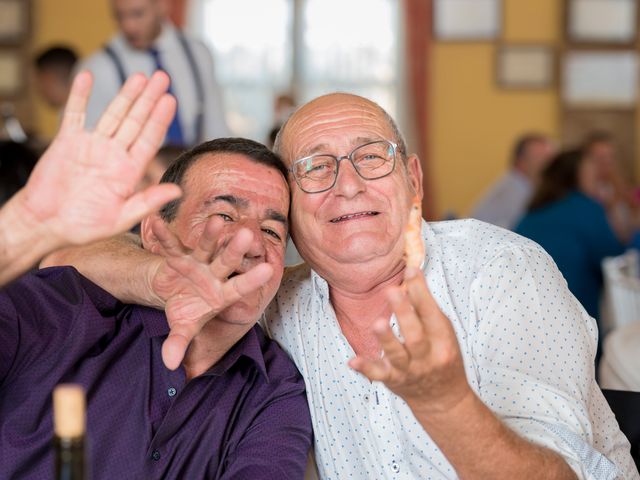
x,y
473,121
85,25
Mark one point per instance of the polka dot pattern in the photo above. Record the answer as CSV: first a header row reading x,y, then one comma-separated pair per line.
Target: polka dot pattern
x,y
527,344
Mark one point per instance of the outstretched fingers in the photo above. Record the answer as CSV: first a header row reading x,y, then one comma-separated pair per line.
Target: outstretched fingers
x,y
136,118
230,258
434,322
119,107
75,110
145,203
184,327
169,243
209,242
376,370
150,138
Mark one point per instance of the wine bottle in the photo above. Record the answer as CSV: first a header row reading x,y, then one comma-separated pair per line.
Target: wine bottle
x,y
69,432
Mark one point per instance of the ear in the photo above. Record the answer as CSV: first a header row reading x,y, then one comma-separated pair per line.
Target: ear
x,y
414,172
149,240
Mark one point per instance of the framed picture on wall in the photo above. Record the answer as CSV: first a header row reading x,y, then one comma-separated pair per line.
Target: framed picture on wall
x,y
466,20
602,21
14,21
525,66
11,74
600,79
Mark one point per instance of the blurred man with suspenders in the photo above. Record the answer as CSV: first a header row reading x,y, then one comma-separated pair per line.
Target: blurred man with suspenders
x,y
147,41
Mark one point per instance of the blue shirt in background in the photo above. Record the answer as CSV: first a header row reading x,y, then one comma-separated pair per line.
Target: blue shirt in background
x,y
576,233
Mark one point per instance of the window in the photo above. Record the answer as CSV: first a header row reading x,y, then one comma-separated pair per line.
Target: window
x,y
263,48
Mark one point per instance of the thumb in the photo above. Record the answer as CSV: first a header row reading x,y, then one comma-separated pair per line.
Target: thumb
x,y
146,202
174,349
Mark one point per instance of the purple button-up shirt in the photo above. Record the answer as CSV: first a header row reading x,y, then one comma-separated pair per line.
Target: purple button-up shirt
x,y
246,417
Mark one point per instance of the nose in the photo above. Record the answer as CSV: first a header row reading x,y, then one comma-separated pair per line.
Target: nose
x,y
348,182
256,252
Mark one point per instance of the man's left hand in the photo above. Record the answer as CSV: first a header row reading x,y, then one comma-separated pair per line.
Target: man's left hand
x,y
426,368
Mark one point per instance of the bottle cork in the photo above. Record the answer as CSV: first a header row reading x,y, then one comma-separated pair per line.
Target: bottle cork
x,y
68,411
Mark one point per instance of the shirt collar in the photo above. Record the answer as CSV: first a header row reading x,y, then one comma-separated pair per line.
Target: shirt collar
x,y
249,346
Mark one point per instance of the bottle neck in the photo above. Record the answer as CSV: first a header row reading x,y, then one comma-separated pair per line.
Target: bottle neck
x,y
69,453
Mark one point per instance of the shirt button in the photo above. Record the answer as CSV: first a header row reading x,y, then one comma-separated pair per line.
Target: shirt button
x,y
395,467
155,455
172,392
366,397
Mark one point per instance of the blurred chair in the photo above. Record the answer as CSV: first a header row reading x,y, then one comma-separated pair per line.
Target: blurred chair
x,y
621,305
620,363
626,407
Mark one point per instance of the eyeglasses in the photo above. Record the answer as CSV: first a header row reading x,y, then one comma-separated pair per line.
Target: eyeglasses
x,y
318,173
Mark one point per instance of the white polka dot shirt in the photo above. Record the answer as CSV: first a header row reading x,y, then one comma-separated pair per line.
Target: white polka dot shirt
x,y
527,344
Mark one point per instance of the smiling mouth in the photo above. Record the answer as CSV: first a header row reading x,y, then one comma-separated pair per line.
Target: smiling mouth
x,y
353,216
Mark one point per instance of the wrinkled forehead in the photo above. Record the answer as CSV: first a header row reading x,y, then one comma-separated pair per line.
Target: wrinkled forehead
x,y
333,124
235,172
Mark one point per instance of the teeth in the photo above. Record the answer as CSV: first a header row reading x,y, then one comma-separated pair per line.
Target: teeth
x,y
347,217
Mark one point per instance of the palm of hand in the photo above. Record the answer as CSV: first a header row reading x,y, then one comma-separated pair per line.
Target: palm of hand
x,y
184,305
87,191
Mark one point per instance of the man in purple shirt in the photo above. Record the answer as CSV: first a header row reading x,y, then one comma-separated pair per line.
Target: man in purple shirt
x,y
234,408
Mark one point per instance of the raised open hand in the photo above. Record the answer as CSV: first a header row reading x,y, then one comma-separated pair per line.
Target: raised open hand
x,y
195,284
84,186
426,368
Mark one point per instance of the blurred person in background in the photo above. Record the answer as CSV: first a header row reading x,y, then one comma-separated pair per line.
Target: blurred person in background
x,y
565,218
613,190
283,106
54,74
148,41
506,201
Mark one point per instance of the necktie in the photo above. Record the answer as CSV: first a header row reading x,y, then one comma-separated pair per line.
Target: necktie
x,y
174,135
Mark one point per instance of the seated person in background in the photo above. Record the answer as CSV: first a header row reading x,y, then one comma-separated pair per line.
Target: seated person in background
x,y
483,383
54,74
283,106
235,408
506,201
16,163
566,220
612,190
83,187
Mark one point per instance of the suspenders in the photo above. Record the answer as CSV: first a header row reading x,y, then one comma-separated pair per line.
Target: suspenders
x,y
188,52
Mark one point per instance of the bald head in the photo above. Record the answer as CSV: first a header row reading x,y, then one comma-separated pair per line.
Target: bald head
x,y
328,109
355,226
